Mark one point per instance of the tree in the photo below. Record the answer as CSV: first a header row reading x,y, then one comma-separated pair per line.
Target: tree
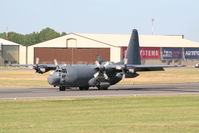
x,y
32,38
47,34
63,33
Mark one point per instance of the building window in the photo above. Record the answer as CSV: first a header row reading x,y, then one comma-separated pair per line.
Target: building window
x,y
71,42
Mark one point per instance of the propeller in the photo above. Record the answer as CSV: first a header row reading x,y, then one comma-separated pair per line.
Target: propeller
x,y
55,62
43,68
101,69
123,68
37,60
39,68
128,72
36,67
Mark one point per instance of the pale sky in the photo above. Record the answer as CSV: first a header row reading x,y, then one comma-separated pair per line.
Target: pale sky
x,y
102,16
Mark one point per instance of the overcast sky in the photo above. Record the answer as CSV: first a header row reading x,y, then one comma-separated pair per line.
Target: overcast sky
x,y
102,16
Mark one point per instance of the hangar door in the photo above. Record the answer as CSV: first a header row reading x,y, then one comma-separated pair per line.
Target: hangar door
x,y
10,54
70,55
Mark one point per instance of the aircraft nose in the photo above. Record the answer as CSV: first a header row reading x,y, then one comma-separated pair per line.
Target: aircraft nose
x,y
53,80
65,80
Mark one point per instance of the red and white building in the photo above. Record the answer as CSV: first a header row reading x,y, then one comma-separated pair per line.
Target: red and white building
x,y
83,48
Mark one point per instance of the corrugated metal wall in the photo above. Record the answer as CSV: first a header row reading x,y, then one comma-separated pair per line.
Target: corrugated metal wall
x,y
70,55
10,54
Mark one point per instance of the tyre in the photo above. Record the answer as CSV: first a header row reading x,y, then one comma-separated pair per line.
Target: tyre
x,y
62,88
84,88
102,88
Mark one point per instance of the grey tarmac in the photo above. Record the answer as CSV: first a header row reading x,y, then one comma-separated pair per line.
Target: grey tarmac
x,y
116,90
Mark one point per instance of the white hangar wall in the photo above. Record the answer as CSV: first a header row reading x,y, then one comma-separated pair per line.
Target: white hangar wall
x,y
74,41
11,52
116,43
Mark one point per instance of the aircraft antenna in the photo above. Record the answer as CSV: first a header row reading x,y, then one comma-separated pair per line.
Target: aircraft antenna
x,y
152,26
7,33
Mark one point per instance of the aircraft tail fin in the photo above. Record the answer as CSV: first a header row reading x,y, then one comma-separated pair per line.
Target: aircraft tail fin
x,y
133,50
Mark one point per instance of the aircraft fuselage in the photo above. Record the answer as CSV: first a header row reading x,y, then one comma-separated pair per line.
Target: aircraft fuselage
x,y
82,76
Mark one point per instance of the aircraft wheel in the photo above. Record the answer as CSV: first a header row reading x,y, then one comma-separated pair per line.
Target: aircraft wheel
x,y
102,88
83,88
62,88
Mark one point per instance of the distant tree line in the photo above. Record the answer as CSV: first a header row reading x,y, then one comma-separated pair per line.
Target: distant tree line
x,y
32,38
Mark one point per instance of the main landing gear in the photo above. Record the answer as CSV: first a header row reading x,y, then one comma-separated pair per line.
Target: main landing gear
x,y
105,87
84,88
102,88
62,88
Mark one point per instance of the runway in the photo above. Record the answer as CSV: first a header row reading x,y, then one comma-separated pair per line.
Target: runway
x,y
116,90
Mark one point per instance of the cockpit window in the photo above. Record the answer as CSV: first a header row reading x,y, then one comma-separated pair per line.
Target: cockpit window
x,y
61,70
64,71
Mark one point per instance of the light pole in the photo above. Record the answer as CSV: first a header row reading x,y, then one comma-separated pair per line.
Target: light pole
x,y
152,26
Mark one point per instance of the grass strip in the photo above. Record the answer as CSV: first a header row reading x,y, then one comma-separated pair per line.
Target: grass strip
x,y
157,114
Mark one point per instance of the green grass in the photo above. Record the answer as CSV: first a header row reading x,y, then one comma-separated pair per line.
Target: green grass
x,y
158,114
174,75
23,78
29,83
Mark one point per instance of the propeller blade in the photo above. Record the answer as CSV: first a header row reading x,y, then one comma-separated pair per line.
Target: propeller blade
x,y
105,76
37,60
55,62
101,70
97,63
96,74
106,64
123,76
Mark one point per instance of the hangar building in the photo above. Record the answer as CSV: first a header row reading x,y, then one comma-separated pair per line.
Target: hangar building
x,y
83,48
11,52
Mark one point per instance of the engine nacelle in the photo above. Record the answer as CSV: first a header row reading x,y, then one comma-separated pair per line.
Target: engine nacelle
x,y
131,71
104,84
95,82
92,82
42,70
131,75
119,75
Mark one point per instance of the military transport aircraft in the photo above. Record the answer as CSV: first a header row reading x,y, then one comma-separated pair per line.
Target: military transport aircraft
x,y
101,74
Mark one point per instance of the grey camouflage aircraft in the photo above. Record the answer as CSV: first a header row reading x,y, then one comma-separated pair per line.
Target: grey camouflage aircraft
x,y
101,74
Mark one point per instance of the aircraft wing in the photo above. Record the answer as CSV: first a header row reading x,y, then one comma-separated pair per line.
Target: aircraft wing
x,y
52,66
151,67
39,68
142,67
